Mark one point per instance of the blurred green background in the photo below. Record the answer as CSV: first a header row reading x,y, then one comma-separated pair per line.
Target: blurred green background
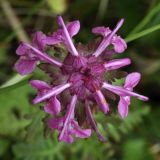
x,y
23,135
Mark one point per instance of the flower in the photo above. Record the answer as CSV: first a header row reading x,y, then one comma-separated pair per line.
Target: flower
x,y
125,92
67,126
31,54
81,77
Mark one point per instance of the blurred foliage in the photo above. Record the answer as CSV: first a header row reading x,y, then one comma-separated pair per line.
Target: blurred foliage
x,y
23,135
57,6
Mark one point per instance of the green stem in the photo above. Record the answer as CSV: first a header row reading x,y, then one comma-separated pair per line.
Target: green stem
x,y
146,19
24,22
142,33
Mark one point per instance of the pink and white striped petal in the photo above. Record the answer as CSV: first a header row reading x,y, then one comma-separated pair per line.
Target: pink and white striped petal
x,y
52,92
69,43
132,80
117,63
123,92
69,115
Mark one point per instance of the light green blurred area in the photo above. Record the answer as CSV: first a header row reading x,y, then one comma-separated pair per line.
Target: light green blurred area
x,y
23,135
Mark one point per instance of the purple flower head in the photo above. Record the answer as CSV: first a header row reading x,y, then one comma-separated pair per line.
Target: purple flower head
x,y
81,78
30,55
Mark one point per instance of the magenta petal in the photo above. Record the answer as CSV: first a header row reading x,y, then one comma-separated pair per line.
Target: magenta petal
x,y
55,123
39,85
104,31
22,50
117,63
39,40
52,40
119,44
73,28
78,132
132,80
53,106
55,38
51,92
121,91
24,66
67,38
67,138
108,40
100,99
123,106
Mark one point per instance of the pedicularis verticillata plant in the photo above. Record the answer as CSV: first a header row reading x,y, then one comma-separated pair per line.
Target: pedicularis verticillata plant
x,y
81,77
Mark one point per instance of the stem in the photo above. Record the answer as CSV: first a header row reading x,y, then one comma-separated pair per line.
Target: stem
x,y
14,21
146,19
102,9
142,33
26,20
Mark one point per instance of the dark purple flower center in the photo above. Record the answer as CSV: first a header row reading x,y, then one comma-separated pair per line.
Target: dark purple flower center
x,y
85,73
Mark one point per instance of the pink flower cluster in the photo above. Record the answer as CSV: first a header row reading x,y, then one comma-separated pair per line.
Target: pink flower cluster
x,y
82,77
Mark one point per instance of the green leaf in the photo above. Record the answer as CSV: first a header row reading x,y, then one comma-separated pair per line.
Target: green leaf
x,y
146,19
119,82
13,107
136,149
142,33
113,132
13,83
3,146
40,149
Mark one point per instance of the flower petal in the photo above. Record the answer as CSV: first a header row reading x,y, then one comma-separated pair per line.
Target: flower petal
x,y
40,55
68,41
55,123
119,44
121,91
39,85
73,28
132,80
22,50
78,132
100,99
123,106
68,116
117,63
51,40
52,92
25,66
53,106
66,138
39,40
107,40
103,31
